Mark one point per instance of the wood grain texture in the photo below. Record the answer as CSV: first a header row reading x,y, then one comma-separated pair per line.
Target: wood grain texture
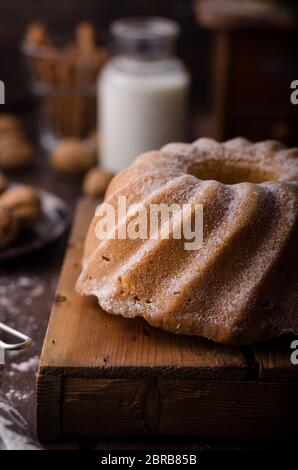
x,y
49,391
104,375
83,340
273,359
217,409
233,410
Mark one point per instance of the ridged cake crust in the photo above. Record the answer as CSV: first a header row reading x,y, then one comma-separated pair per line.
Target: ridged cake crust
x,y
241,286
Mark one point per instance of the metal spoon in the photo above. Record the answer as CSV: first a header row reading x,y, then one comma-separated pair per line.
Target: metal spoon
x,y
24,341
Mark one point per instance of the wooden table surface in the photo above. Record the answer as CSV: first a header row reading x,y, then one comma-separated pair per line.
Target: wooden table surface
x,y
27,290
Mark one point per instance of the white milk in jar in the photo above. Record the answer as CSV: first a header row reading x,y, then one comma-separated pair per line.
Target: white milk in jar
x,y
143,92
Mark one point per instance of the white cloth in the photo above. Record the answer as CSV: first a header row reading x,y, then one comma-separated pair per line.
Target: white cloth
x,y
14,431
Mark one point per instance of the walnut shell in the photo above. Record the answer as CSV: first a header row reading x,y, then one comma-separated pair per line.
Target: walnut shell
x,y
9,123
71,156
15,151
24,204
8,227
3,183
96,182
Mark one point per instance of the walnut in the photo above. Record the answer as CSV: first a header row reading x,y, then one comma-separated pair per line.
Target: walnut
x,y
71,156
3,183
8,227
96,182
9,123
24,204
15,151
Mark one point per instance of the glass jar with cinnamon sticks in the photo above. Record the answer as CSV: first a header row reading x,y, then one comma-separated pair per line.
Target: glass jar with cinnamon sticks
x,y
64,77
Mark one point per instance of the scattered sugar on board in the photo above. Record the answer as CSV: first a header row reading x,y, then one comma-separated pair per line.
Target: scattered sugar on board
x,y
26,366
17,298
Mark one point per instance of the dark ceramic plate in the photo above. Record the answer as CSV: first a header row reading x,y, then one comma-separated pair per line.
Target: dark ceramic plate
x,y
54,221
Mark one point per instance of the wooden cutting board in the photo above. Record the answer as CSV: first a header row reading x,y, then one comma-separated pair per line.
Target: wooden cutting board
x,y
103,375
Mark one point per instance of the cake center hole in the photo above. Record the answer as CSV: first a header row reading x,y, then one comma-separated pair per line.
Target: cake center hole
x,y
230,173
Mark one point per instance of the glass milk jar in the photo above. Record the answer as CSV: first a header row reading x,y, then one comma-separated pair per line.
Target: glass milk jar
x,y
143,92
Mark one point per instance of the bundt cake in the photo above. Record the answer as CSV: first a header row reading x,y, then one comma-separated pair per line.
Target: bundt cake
x,y
241,286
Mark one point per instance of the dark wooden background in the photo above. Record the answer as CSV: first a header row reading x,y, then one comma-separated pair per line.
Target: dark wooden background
x,y
261,62
61,16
